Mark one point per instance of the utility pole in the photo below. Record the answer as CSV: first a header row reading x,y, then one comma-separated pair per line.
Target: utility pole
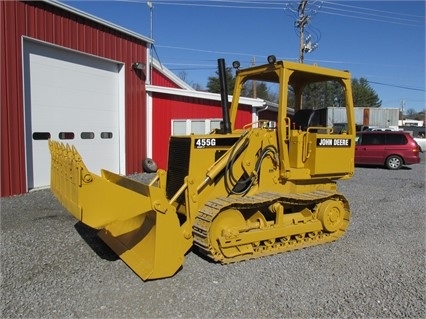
x,y
300,23
253,63
150,6
307,43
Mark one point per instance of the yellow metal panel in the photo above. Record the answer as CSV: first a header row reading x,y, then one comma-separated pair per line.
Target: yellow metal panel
x,y
137,219
283,176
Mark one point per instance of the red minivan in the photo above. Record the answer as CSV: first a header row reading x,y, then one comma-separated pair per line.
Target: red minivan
x,y
389,148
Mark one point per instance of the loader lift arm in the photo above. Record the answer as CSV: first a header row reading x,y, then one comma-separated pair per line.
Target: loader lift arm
x,y
247,193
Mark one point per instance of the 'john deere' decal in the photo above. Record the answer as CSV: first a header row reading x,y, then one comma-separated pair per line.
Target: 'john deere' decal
x,y
333,142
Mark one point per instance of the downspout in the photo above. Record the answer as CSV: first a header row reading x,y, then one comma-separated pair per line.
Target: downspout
x,y
260,110
148,122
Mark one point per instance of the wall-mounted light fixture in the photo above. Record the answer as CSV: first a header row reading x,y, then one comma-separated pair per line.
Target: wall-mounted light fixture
x,y
138,66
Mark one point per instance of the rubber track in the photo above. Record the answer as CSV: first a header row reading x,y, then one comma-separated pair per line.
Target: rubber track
x,y
212,208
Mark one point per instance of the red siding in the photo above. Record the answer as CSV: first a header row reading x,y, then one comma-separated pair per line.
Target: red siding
x,y
171,107
161,80
42,21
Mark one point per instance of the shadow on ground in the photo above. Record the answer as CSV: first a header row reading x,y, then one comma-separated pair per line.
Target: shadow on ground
x,y
91,238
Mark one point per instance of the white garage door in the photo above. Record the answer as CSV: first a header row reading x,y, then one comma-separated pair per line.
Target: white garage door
x,y
73,98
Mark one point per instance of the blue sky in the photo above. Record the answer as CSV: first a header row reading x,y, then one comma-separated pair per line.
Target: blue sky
x,y
382,41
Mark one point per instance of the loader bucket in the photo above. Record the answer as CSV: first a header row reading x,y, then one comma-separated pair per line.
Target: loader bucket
x,y
134,219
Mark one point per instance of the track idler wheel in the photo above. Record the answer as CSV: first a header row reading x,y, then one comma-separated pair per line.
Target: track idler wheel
x,y
228,224
331,213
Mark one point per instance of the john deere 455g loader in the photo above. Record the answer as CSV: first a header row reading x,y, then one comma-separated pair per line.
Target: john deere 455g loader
x,y
236,194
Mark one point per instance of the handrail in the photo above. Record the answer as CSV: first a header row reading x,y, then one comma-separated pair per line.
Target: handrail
x,y
328,128
251,124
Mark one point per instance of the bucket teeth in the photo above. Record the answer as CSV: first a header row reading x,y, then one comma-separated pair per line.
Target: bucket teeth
x,y
125,211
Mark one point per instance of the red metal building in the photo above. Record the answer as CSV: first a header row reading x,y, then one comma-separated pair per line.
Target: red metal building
x,y
171,106
60,70
56,24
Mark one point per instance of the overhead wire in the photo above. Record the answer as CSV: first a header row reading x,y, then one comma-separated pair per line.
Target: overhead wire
x,y
327,7
399,86
279,5
287,7
379,12
409,19
401,22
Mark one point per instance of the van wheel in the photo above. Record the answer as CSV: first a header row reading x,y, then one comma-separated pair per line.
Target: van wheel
x,y
394,162
149,166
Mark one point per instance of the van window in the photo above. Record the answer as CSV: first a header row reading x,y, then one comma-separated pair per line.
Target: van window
x,y
396,139
373,139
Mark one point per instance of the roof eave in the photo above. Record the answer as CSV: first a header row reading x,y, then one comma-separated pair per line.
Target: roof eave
x,y
93,18
256,103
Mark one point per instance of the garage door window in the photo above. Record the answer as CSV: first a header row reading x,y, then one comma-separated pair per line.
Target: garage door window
x,y
41,136
66,135
106,135
70,135
87,135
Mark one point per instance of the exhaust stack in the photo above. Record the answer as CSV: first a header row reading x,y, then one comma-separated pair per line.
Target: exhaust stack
x,y
224,96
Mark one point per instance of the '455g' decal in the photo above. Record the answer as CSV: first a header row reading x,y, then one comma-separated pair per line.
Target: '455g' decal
x,y
205,142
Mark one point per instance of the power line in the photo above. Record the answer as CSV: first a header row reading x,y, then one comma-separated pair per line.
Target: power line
x,y
330,8
399,86
380,12
278,5
205,51
369,17
195,66
239,6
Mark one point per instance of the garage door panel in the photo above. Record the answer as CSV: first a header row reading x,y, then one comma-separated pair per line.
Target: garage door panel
x,y
74,88
75,98
62,115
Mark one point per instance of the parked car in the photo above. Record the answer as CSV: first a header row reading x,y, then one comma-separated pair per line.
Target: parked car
x,y
392,149
339,128
382,129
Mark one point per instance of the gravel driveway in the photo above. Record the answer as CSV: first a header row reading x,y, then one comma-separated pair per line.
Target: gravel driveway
x,y
54,267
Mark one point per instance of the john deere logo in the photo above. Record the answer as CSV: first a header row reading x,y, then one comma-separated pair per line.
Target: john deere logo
x,y
333,142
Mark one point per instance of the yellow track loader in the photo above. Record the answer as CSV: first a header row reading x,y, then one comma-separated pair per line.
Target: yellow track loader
x,y
235,194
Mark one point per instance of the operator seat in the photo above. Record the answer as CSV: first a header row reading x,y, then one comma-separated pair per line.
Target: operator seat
x,y
301,119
